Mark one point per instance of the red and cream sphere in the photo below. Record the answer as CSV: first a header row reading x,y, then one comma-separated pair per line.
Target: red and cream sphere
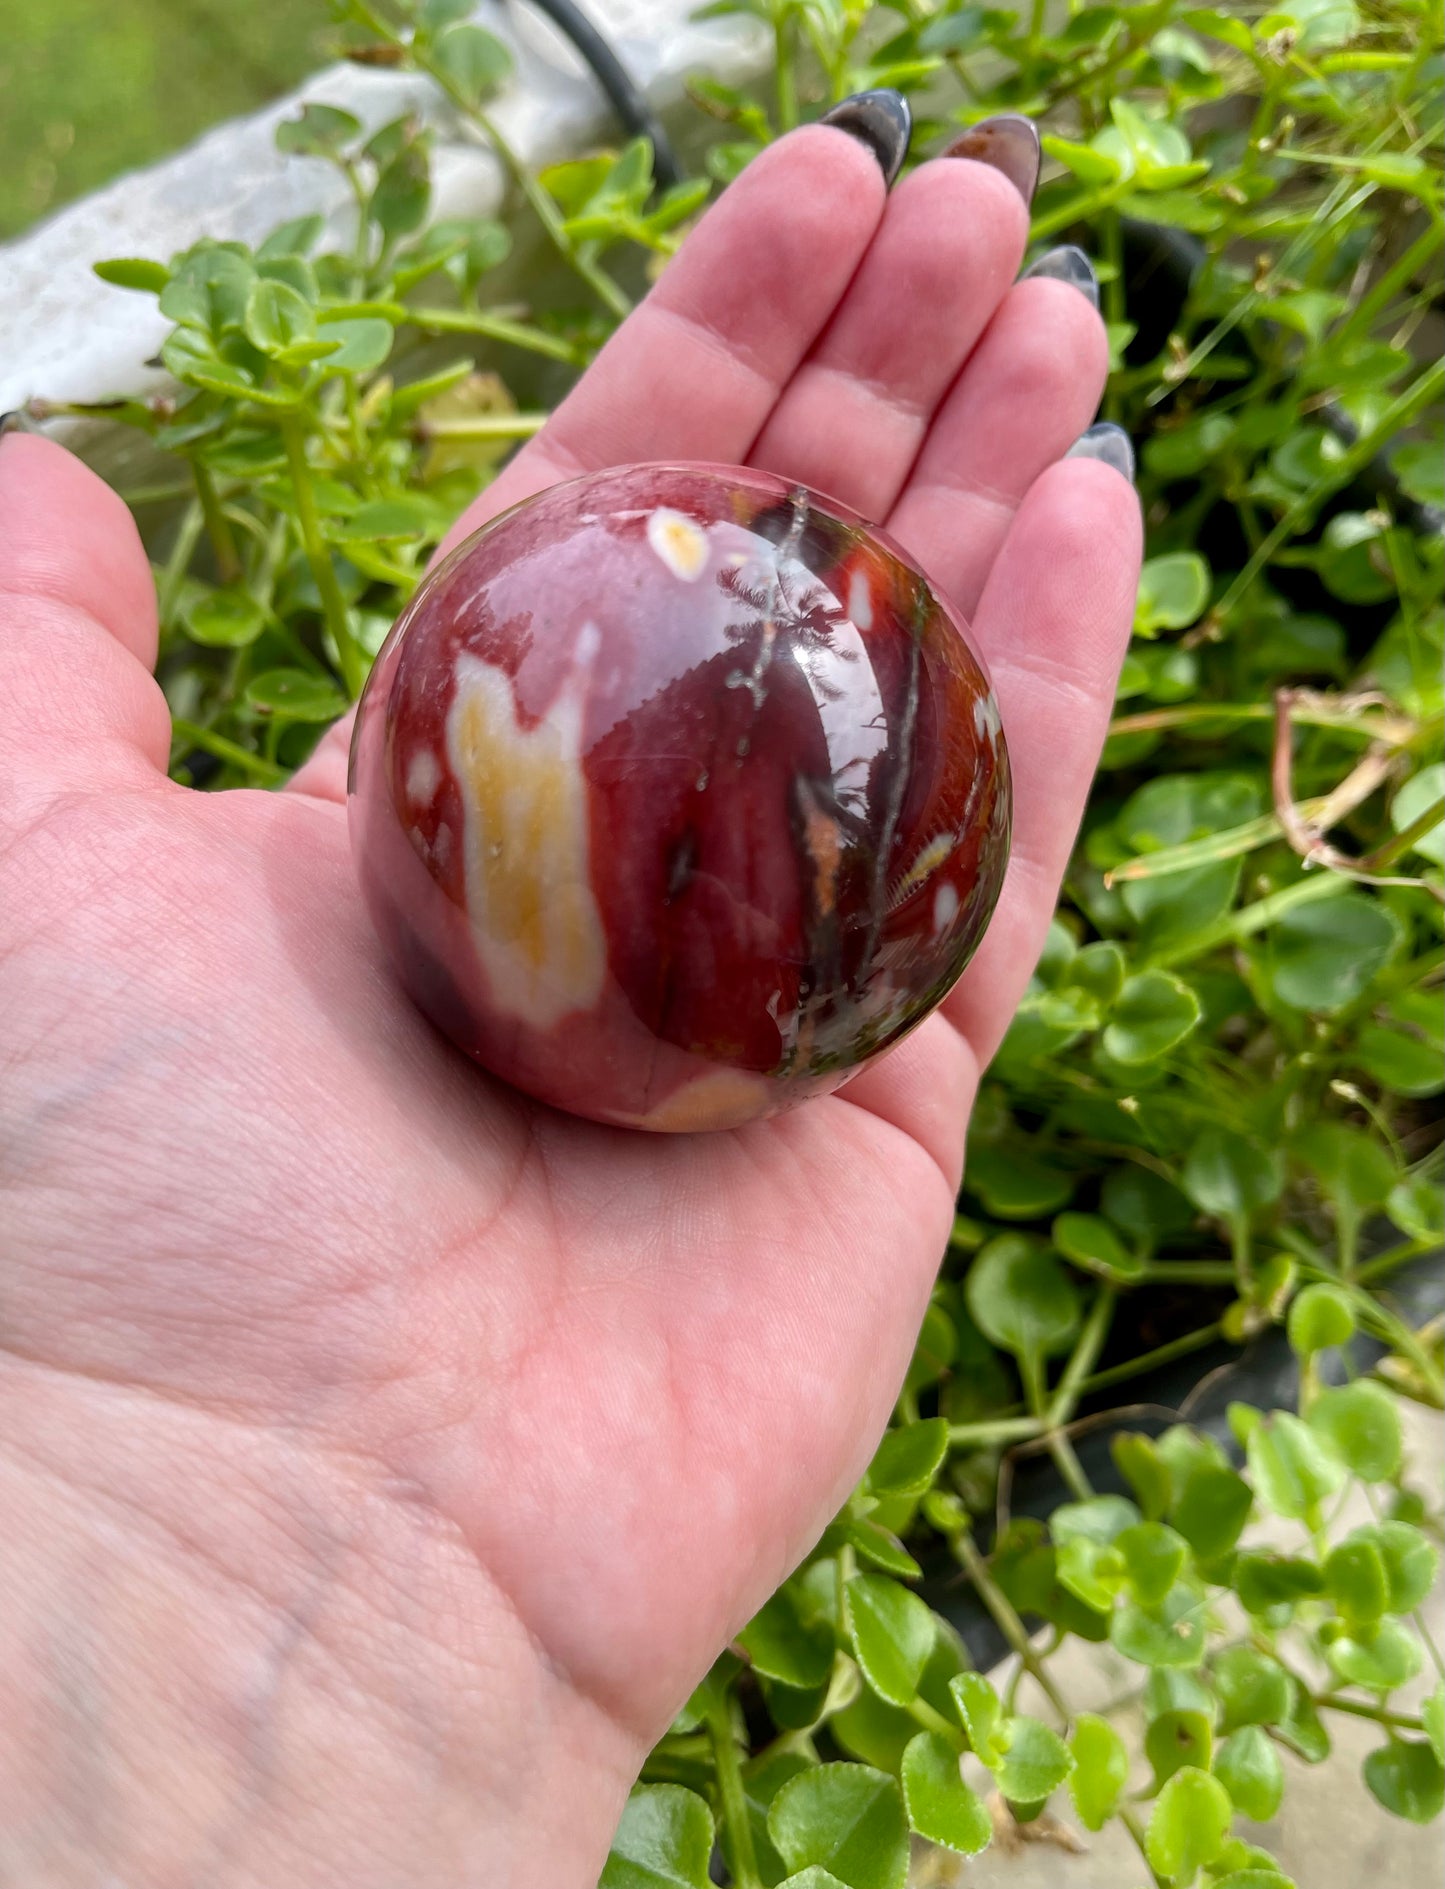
x,y
677,795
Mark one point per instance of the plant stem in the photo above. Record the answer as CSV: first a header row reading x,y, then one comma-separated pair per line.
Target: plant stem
x,y
257,765
1083,1357
1148,1360
732,1797
1397,1721
996,1430
218,526
188,531
546,212
1392,850
467,321
308,520
1006,1619
1252,918
932,1720
485,426
786,83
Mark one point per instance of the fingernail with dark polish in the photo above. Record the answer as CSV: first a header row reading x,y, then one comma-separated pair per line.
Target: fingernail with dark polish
x,y
1068,264
1107,442
1010,143
879,119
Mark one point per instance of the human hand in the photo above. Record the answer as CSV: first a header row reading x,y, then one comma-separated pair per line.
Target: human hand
x,y
383,1457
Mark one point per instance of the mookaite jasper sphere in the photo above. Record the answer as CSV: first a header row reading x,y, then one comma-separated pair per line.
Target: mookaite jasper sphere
x,y
677,794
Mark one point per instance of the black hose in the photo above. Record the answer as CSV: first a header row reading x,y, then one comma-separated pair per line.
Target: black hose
x,y
626,96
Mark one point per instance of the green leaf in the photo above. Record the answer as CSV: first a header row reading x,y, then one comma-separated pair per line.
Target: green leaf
x,y
1102,1519
295,695
813,1877
1144,1203
1249,1768
225,619
1432,1713
209,289
1323,956
1155,1011
940,1806
847,1819
1379,1658
1267,1580
1410,1560
1356,1170
1173,591
1014,1184
1035,1762
403,192
1401,1062
1089,165
1180,1736
1292,1470
982,1715
1145,1471
1021,1298
1153,1556
1359,1424
400,515
1407,1778
365,343
908,1458
1417,1207
320,131
663,1842
1253,1689
892,1632
788,1642
1098,970
1171,1634
134,272
474,60
1092,1572
1320,1317
1421,791
1231,1176
1101,1769
1356,1581
1304,1731
296,238
433,15
879,1547
1188,1824
1174,809
277,317
1212,1509
1173,910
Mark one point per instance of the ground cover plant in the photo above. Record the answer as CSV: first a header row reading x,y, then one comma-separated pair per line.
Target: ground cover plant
x,y
1216,1113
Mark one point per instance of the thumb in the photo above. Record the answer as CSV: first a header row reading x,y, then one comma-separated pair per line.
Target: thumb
x,y
78,703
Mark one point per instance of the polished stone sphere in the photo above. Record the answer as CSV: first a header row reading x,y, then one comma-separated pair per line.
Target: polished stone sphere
x,y
677,795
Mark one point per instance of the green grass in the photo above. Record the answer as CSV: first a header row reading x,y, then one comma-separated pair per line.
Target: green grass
x,y
93,87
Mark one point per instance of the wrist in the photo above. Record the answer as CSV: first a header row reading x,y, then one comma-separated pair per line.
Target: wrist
x,y
221,1654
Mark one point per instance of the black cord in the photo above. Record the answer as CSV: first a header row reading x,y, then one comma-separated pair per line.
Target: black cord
x,y
626,96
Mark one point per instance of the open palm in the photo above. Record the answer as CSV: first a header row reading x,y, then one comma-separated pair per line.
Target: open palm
x,y
383,1457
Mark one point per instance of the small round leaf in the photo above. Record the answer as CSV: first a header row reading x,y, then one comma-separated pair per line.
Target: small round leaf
x,y
1249,1768
1188,1824
1021,1298
941,1807
1101,1769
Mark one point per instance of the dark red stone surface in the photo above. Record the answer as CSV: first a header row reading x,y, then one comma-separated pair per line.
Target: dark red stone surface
x,y
677,795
